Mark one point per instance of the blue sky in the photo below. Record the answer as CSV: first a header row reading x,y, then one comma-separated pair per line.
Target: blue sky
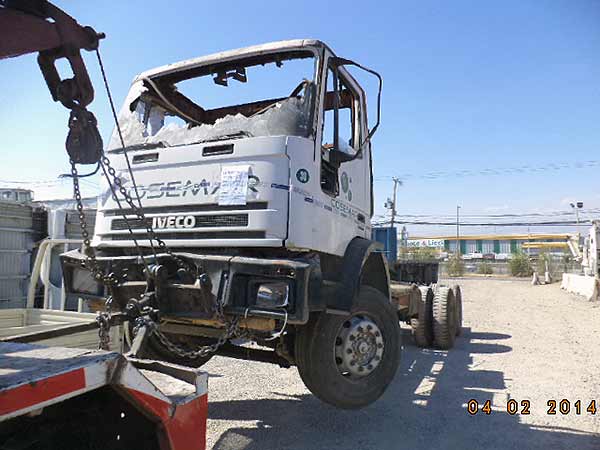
x,y
468,85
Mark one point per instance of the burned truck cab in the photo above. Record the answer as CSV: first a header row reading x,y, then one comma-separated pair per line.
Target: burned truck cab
x,y
239,190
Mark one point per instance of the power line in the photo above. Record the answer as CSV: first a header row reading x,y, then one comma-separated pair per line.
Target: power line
x,y
492,171
482,216
89,183
490,224
493,216
33,183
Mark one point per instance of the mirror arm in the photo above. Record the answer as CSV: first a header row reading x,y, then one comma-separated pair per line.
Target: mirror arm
x,y
336,110
342,62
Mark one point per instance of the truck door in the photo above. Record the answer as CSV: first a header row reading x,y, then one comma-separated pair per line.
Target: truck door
x,y
347,184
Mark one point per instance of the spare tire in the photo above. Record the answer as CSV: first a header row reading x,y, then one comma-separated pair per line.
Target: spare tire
x,y
422,325
444,318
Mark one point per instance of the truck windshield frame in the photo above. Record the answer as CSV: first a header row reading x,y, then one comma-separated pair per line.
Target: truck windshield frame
x,y
157,113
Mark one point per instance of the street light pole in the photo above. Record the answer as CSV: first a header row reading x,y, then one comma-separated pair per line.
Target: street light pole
x,y
457,230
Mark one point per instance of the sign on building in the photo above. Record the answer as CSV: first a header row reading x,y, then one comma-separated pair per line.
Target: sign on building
x,y
435,243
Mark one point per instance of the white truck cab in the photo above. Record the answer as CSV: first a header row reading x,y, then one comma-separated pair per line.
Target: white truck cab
x,y
278,149
253,167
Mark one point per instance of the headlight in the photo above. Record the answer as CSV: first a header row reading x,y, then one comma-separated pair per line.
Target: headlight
x,y
272,295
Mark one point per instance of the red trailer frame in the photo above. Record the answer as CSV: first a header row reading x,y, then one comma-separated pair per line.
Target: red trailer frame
x,y
40,383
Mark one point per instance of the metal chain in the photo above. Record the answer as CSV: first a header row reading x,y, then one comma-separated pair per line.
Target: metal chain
x,y
103,320
232,330
91,263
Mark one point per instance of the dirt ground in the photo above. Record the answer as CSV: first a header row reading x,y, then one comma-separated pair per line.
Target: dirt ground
x,y
521,342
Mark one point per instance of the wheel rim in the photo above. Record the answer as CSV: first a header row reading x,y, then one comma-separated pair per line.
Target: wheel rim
x,y
359,347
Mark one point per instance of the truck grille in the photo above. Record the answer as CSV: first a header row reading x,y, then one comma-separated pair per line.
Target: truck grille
x,y
200,221
193,235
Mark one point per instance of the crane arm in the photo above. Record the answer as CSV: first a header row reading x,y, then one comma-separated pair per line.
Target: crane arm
x,y
29,26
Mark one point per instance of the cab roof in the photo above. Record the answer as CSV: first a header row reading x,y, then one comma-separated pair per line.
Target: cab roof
x,y
220,57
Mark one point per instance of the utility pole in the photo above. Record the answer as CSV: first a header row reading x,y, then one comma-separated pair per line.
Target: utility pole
x,y
577,206
457,230
396,183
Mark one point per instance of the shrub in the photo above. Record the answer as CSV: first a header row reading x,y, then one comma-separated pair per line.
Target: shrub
x,y
456,266
544,260
519,265
485,268
419,253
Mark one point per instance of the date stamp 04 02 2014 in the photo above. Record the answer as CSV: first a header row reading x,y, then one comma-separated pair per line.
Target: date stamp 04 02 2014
x,y
553,407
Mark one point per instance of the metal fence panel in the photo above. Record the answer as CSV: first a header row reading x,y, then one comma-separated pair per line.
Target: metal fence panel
x,y
18,229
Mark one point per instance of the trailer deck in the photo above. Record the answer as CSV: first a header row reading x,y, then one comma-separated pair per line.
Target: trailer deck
x,y
100,397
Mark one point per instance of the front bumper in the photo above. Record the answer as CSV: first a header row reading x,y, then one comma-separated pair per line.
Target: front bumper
x,y
230,282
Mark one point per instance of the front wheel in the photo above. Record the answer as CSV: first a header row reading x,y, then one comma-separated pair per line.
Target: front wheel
x,y
349,360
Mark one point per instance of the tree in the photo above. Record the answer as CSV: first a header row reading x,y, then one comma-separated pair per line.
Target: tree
x,y
456,266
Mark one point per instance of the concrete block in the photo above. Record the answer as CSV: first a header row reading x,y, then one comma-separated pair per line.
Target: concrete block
x,y
583,285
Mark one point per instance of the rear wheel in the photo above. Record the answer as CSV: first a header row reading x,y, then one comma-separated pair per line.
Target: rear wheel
x,y
422,325
444,318
348,361
459,308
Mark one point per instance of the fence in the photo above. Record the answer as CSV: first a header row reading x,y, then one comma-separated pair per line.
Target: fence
x,y
21,228
557,265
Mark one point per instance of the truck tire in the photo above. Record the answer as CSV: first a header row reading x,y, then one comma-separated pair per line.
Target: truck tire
x,y
349,360
156,349
459,308
444,318
422,325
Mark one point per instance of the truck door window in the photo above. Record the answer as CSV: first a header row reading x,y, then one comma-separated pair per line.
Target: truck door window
x,y
347,129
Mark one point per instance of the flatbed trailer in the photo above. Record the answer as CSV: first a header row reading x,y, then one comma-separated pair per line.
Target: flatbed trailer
x,y
60,397
64,398
19,321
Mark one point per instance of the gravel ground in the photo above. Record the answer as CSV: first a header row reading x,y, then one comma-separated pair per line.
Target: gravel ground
x,y
520,342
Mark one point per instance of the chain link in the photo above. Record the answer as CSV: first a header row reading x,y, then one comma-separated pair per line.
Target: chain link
x,y
103,320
